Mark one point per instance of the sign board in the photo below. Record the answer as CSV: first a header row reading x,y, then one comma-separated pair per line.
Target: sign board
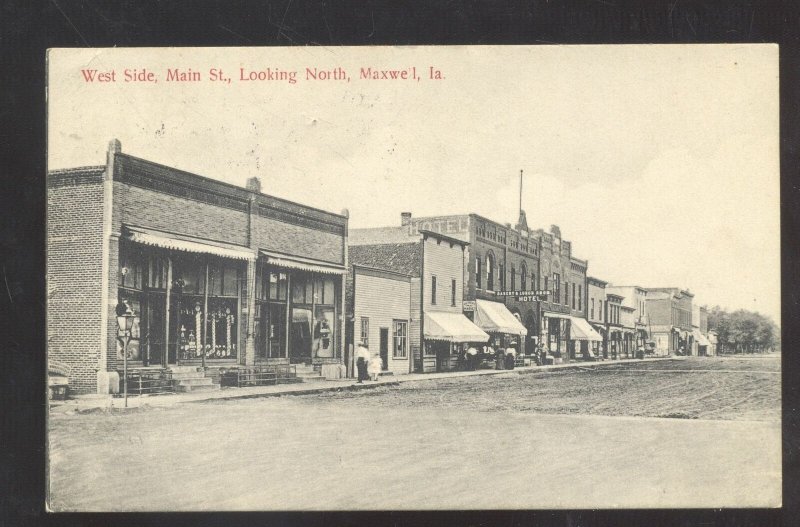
x,y
468,305
528,293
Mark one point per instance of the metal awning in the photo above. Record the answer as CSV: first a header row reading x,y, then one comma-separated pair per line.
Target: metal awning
x,y
701,339
452,327
179,242
581,330
302,264
496,318
599,327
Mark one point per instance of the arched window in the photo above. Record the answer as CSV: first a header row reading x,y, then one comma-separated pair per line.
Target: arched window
x,y
513,279
478,272
501,276
490,272
523,277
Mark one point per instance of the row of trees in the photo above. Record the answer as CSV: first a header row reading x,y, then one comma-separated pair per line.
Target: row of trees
x,y
743,331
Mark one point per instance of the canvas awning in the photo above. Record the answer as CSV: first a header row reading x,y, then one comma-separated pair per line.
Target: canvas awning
x,y
555,315
452,327
496,318
581,330
599,327
700,338
179,242
301,264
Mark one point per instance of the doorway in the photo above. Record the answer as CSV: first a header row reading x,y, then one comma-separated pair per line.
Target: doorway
x,y
384,348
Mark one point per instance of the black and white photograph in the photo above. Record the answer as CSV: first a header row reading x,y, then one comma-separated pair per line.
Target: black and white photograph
x,y
413,278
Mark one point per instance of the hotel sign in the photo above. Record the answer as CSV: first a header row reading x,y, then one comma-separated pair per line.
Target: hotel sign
x,y
468,306
526,296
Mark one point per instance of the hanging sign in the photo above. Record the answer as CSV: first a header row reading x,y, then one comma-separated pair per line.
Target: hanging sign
x,y
468,305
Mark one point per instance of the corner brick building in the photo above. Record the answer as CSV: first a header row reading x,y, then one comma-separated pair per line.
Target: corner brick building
x,y
215,274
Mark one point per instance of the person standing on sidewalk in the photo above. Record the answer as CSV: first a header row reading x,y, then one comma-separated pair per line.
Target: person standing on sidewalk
x,y
375,366
362,358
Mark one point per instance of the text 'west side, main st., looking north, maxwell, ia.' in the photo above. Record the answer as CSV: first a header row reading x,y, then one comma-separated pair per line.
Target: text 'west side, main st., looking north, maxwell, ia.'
x,y
179,75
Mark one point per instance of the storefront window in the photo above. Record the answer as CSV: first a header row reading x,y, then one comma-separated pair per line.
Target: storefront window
x,y
277,286
132,301
400,338
323,339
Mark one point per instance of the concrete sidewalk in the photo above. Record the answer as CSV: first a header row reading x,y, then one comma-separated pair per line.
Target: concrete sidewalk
x,y
89,402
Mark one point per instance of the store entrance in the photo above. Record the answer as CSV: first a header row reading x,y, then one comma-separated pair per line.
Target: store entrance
x,y
154,331
301,337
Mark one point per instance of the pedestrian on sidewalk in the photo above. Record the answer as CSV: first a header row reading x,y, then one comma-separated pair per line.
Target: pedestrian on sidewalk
x,y
362,358
499,359
375,366
472,355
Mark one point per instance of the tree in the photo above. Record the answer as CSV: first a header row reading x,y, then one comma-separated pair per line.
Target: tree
x,y
743,331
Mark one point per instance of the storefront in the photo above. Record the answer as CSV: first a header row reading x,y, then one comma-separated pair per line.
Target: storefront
x,y
447,335
555,334
297,310
504,329
186,297
584,339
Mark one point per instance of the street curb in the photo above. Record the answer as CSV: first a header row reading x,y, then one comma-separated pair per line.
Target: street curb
x,y
310,391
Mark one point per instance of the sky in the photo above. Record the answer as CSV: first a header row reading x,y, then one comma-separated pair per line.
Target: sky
x,y
659,163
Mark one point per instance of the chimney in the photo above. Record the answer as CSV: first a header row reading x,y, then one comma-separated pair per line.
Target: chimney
x,y
254,184
405,218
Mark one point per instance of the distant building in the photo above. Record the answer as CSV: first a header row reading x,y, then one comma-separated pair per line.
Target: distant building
x,y
635,297
614,330
596,314
670,312
701,345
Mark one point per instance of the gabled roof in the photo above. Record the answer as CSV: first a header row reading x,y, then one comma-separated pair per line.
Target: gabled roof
x,y
402,258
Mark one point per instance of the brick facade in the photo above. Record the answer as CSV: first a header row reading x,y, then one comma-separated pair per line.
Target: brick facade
x,y
74,272
88,210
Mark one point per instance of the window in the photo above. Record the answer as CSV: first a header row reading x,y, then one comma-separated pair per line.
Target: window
x,y
573,296
365,331
513,279
556,287
277,286
566,293
523,277
478,272
400,337
580,297
433,289
533,281
490,272
591,315
453,292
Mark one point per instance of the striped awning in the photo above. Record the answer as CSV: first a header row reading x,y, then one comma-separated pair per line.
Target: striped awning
x,y
581,330
452,327
496,318
180,242
301,264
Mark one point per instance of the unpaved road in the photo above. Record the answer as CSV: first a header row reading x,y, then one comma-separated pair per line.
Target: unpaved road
x,y
474,443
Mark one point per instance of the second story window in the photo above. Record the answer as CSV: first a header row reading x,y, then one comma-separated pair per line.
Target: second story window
x,y
513,279
433,289
523,277
556,287
453,292
478,272
490,272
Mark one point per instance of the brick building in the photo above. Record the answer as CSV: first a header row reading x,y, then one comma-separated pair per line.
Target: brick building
x,y
216,275
615,334
670,314
433,266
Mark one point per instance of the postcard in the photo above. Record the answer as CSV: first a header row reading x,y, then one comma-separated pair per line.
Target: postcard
x,y
413,278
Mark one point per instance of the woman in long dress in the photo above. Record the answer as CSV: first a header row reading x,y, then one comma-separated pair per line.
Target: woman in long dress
x,y
375,366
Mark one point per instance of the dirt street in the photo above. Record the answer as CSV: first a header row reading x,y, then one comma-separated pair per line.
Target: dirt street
x,y
476,442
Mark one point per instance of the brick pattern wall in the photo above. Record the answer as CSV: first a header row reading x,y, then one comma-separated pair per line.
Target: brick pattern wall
x,y
74,269
155,210
279,236
383,300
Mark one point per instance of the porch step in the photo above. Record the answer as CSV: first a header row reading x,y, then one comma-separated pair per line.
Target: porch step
x,y
185,369
181,375
198,387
